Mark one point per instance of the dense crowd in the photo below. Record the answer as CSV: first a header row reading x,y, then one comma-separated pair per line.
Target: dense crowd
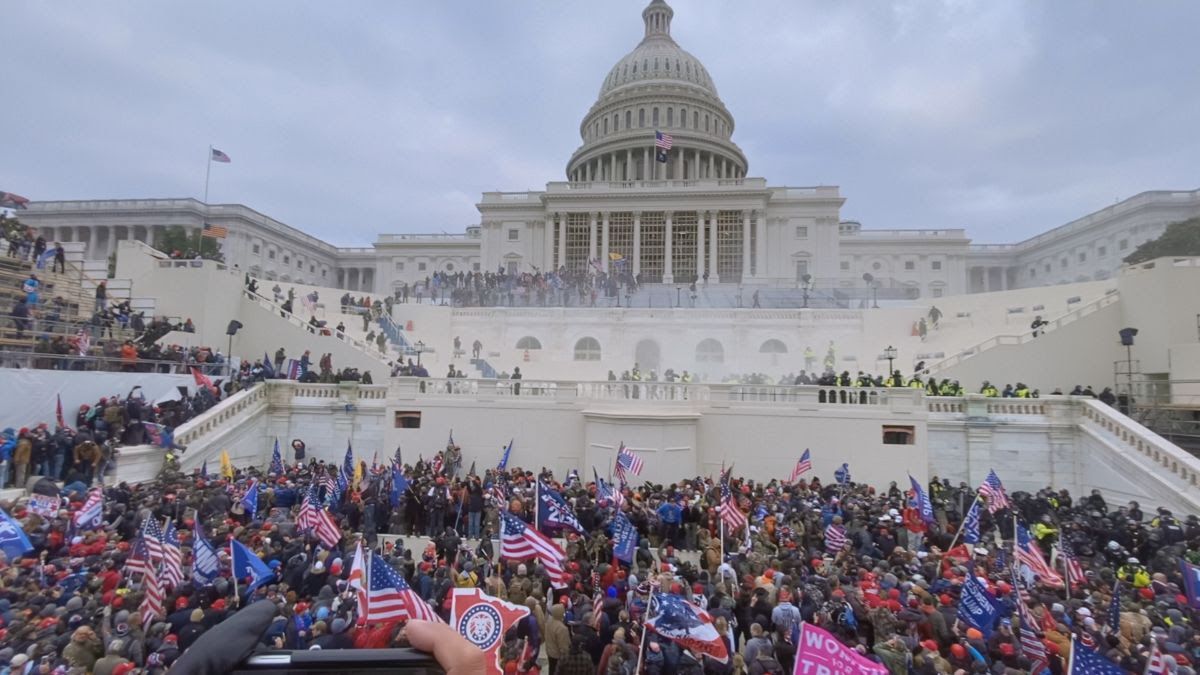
x,y
862,563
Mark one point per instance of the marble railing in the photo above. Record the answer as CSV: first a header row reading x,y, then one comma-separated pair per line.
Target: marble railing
x,y
1166,457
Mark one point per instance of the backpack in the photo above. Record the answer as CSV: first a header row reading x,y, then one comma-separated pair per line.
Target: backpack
x,y
766,665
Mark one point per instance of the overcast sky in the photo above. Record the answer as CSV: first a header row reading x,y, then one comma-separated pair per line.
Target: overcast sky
x,y
351,119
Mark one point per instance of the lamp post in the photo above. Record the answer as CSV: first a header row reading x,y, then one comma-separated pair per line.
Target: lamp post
x,y
678,292
889,353
805,286
420,347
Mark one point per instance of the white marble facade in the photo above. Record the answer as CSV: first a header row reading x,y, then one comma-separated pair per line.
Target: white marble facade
x,y
700,213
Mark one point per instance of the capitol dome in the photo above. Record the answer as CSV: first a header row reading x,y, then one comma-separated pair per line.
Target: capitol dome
x,y
657,87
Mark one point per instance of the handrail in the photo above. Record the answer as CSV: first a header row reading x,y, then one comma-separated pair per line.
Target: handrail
x,y
1168,457
46,361
1025,336
369,350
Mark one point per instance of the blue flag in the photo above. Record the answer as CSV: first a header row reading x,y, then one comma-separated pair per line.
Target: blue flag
x,y
13,541
843,474
1084,661
971,525
268,367
204,470
246,565
1114,607
503,465
977,607
399,485
347,473
624,537
1191,583
923,503
276,461
250,499
553,513
205,566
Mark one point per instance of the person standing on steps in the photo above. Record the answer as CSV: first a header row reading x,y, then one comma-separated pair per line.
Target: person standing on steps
x,y
476,348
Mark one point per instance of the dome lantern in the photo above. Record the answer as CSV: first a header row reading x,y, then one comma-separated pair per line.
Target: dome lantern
x,y
658,19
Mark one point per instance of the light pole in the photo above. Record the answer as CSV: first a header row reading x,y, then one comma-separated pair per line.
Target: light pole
x,y
678,292
806,284
889,353
420,347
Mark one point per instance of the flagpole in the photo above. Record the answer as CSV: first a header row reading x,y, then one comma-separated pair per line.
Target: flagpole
x,y
642,641
963,524
233,570
537,501
1066,569
207,175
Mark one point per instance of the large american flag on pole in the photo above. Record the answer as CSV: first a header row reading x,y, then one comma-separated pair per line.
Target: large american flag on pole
x,y
172,569
152,536
390,598
993,491
627,461
152,604
313,518
803,466
1075,574
1031,646
1030,554
518,541
663,141
730,513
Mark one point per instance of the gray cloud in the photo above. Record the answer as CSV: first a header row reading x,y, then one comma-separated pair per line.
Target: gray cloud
x,y
348,120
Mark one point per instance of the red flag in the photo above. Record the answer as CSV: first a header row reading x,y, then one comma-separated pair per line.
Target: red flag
x,y
201,379
483,620
58,414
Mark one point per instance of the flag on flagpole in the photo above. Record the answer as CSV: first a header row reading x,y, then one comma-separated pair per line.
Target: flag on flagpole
x,y
218,156
971,525
627,461
201,379
276,461
1085,661
13,540
993,491
731,514
205,566
803,466
268,367
91,516
842,474
624,538
204,470
674,618
172,567
152,536
11,200
139,558
152,604
399,485
1030,554
922,499
597,600
390,598
226,465
503,465
553,512
1114,608
250,499
1074,570
662,144
58,413
519,542
358,580
214,231
246,565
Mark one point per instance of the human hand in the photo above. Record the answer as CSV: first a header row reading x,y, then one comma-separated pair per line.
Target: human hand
x,y
451,650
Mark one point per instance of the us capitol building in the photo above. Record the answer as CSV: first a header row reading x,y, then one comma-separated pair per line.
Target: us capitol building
x,y
699,214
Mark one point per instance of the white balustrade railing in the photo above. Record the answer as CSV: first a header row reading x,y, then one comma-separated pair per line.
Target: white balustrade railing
x,y
1168,457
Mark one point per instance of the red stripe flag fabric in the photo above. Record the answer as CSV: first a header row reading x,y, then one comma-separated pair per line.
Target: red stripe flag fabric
x,y
627,461
518,541
731,514
1029,554
803,466
201,379
152,604
390,598
58,413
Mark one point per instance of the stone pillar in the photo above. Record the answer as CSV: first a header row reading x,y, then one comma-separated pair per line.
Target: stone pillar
x,y
701,219
987,279
710,165
760,246
696,172
612,172
745,245
637,243
712,250
1004,278
645,164
562,239
629,175
591,237
668,265
604,244
588,176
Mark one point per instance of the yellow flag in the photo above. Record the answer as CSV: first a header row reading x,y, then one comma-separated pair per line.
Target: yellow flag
x,y
358,474
226,465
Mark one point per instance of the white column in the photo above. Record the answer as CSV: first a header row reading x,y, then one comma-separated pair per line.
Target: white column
x,y
668,268
604,244
562,239
701,219
696,171
591,238
745,245
724,168
987,280
712,252
637,243
612,174
1004,278
645,164
629,164
760,246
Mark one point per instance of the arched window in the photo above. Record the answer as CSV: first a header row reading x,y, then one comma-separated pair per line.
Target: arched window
x,y
642,117
695,120
773,347
529,342
654,117
683,117
670,117
606,125
710,351
628,119
706,121
587,349
616,121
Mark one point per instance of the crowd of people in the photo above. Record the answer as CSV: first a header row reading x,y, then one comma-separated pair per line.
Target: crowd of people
x,y
863,563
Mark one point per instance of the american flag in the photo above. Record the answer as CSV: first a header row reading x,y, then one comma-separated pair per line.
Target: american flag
x,y
139,558
152,604
1085,661
172,569
11,200
358,580
627,461
327,481
390,598
218,156
152,536
499,492
732,516
518,541
439,463
663,141
803,466
214,231
1030,554
1031,646
1157,664
597,600
91,516
83,342
1074,571
993,491
835,539
316,519
58,413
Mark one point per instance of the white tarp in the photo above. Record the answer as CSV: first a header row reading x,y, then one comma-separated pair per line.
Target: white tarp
x,y
27,397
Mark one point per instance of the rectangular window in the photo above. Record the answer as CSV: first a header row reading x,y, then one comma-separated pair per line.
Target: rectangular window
x,y
420,267
1102,251
899,435
255,248
1083,256
271,255
299,264
937,292
287,259
312,269
1063,263
514,235
910,265
1123,244
408,419
399,265
802,232
654,117
936,265
845,265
